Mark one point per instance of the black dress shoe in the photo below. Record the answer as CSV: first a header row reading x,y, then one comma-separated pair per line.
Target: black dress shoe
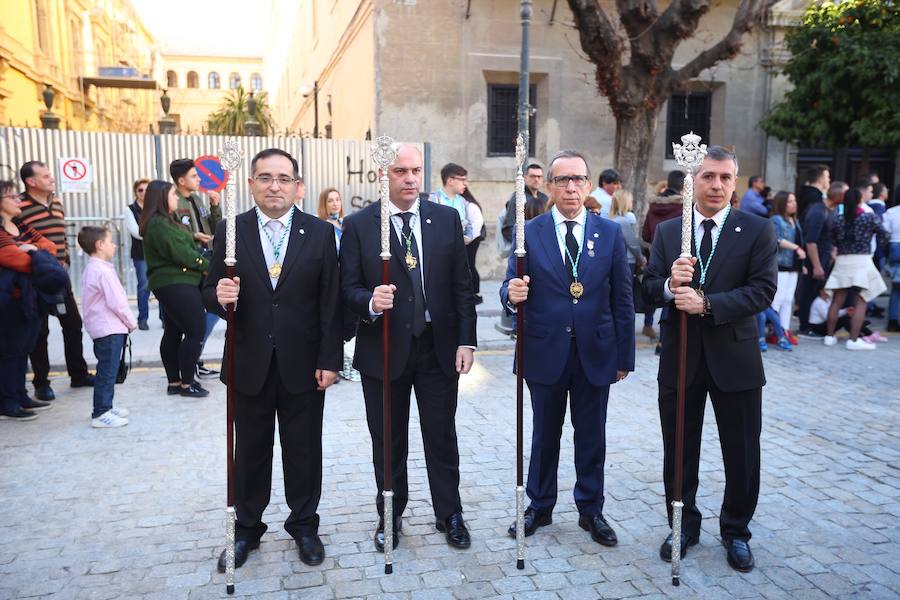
x,y
600,530
86,381
35,405
44,393
739,556
173,390
311,550
533,520
242,549
665,551
455,529
193,391
379,534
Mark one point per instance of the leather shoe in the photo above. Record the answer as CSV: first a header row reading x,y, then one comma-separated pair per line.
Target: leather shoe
x,y
533,520
600,530
86,381
665,551
311,550
242,548
455,529
379,534
739,556
44,393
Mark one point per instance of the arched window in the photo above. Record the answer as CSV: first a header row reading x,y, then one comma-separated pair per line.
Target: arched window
x,y
214,81
171,79
234,81
193,80
256,82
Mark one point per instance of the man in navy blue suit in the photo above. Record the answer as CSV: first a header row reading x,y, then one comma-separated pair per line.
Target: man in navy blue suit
x,y
579,339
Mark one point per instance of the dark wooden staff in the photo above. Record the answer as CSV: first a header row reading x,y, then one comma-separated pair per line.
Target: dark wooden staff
x,y
384,154
231,158
521,155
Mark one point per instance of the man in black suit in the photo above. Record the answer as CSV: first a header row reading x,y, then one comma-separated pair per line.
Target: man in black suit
x,y
287,351
432,335
722,291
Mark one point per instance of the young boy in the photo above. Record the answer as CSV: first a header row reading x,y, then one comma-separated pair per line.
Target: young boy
x,y
107,319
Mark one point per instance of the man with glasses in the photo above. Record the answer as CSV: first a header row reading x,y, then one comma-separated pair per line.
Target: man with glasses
x,y
607,184
535,200
579,339
288,350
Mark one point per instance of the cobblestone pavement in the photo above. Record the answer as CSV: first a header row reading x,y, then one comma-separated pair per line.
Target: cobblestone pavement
x,y
138,512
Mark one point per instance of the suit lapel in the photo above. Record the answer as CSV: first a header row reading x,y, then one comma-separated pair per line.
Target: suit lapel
x,y
728,238
428,240
550,242
295,243
248,234
590,227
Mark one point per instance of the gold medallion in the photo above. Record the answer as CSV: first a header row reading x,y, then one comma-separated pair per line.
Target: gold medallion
x,y
275,270
576,289
411,261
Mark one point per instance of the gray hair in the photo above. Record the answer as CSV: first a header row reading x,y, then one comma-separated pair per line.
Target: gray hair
x,y
720,153
567,154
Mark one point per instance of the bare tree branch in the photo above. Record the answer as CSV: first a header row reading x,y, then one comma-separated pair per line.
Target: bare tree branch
x,y
601,43
748,15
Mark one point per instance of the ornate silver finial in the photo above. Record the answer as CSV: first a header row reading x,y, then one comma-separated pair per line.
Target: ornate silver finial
x,y
384,152
521,148
231,155
690,152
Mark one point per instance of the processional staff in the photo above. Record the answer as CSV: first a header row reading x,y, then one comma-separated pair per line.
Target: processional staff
x,y
231,158
383,155
689,154
521,155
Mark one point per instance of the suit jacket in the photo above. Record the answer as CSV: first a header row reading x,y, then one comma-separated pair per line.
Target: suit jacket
x,y
603,318
740,284
448,288
299,321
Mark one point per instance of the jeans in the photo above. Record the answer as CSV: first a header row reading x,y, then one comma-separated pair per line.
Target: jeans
x,y
211,320
772,317
143,292
12,383
108,351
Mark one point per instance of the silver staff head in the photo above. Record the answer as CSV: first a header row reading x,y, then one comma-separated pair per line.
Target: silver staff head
x,y
231,155
384,152
690,152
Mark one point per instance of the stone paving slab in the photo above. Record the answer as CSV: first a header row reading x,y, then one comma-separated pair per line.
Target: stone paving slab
x,y
138,512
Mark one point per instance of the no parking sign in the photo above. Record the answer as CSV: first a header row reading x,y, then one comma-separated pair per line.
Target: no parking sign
x,y
213,175
75,174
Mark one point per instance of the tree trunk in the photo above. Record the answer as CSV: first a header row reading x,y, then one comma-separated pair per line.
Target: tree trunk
x,y
635,134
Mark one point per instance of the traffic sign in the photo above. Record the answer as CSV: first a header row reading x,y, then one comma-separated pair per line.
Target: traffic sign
x,y
213,175
75,174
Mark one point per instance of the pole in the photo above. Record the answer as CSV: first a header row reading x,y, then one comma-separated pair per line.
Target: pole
x,y
316,109
383,154
521,156
231,158
689,155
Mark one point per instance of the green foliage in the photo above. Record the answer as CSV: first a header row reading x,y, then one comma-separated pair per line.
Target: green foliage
x,y
231,117
845,68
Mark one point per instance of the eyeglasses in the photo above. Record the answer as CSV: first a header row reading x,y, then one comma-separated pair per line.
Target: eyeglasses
x,y
10,196
562,181
463,179
268,179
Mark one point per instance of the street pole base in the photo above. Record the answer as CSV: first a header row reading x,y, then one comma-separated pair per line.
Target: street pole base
x,y
388,569
229,589
520,564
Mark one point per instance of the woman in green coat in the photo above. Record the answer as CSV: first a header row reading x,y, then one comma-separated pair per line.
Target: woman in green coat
x,y
175,268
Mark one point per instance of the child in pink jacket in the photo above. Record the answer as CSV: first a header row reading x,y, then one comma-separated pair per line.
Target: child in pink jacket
x,y
107,319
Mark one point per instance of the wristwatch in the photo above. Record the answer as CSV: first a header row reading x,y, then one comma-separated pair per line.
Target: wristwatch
x,y
707,307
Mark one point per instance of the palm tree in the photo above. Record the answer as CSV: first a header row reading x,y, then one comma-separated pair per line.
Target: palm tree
x,y
234,113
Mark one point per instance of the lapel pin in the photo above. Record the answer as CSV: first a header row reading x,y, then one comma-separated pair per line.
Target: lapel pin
x,y
737,229
428,221
596,235
302,232
590,244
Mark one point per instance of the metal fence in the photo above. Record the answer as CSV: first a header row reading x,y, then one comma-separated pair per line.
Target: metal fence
x,y
119,159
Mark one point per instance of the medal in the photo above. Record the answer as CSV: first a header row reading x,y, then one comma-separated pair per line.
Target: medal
x,y
411,261
576,289
275,270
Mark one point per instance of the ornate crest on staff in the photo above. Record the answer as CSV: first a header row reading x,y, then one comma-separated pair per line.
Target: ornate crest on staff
x,y
689,154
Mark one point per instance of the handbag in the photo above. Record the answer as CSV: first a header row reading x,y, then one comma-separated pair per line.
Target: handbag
x,y
124,363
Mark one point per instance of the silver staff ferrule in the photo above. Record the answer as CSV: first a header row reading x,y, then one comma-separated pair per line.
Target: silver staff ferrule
x,y
229,550
388,497
520,527
676,541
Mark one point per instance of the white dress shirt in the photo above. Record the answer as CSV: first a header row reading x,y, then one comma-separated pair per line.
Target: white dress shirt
x,y
699,232
265,234
559,224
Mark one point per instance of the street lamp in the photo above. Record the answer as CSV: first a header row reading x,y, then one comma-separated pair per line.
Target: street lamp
x,y
49,120
166,123
251,125
306,90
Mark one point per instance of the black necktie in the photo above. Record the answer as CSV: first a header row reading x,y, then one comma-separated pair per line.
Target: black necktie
x,y
706,242
571,246
415,276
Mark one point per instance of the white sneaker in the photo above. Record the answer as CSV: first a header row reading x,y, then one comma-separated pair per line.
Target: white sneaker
x,y
829,340
122,412
859,344
109,419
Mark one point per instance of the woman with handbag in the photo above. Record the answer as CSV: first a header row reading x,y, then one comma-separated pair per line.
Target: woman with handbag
x,y
175,267
790,258
20,316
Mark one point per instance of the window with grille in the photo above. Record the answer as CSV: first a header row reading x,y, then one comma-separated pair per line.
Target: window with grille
x,y
687,112
503,106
